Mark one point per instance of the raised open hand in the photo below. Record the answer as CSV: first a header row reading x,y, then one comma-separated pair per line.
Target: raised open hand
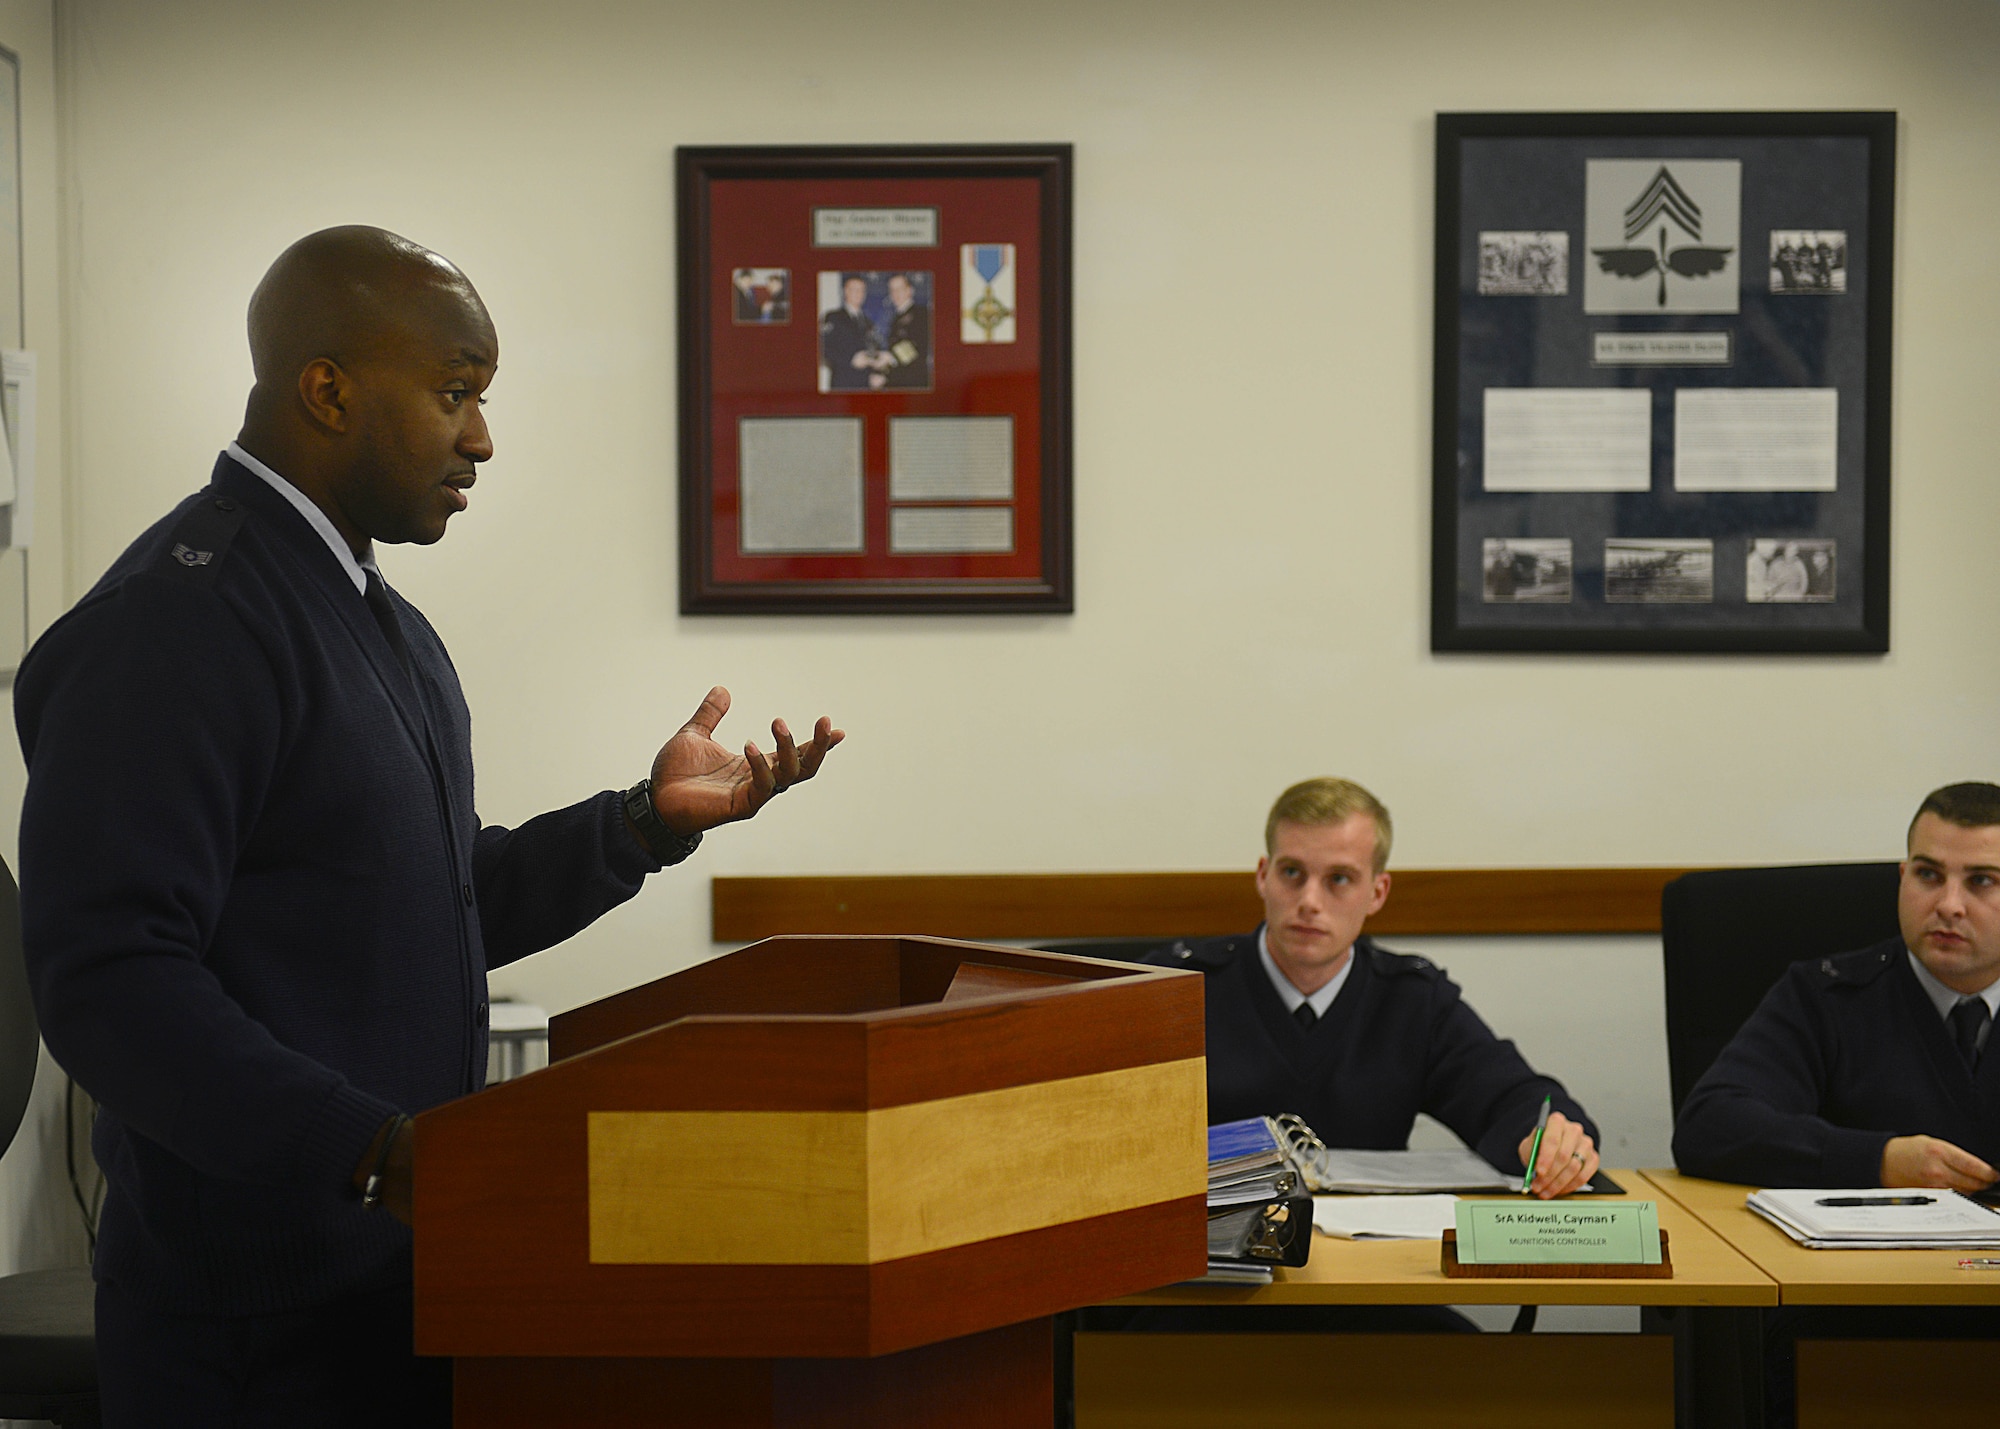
x,y
698,784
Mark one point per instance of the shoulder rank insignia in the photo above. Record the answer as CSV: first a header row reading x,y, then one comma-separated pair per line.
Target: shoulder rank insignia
x,y
201,538
1205,957
1863,965
1405,964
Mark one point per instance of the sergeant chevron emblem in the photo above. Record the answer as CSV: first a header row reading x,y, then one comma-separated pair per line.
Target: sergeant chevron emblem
x,y
1667,201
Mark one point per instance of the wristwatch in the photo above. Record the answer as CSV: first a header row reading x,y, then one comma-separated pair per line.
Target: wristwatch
x,y
664,844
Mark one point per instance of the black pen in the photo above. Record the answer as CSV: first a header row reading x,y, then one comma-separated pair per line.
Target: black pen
x,y
1876,1201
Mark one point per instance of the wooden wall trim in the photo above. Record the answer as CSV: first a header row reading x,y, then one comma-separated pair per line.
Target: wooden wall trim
x,y
1057,906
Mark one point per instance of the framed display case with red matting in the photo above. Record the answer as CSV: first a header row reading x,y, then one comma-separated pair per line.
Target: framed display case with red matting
x,y
874,379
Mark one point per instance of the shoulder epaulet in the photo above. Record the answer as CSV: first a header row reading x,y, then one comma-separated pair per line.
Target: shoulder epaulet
x,y
1402,964
1858,968
201,539
1207,955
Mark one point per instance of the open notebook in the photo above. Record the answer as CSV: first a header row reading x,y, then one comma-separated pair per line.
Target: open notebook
x,y
1333,1170
1872,1218
1330,1169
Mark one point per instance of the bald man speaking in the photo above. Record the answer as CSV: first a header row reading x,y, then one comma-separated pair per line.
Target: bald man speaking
x,y
258,903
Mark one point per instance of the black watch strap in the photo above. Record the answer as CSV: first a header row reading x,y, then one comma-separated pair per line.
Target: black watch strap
x,y
666,845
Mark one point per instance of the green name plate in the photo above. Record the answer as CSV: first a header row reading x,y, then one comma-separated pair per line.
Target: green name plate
x,y
1579,1232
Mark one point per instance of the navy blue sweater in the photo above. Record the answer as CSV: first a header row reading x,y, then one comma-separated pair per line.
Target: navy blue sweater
x,y
1397,1040
1843,1054
257,902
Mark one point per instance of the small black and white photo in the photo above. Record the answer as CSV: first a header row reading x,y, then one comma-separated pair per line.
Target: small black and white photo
x,y
1784,568
1660,571
1521,569
1524,264
762,296
1808,260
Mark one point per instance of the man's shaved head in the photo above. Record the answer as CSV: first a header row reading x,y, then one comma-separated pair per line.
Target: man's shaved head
x,y
341,293
372,354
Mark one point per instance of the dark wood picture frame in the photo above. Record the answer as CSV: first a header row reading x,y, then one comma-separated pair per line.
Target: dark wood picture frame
x,y
1521,564
755,210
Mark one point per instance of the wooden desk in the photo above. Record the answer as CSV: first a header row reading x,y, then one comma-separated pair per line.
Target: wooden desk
x,y
1259,1381
1707,1271
1826,1277
1847,1384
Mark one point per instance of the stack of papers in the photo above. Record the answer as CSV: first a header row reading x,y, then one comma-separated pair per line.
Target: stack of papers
x,y
1259,1214
1876,1219
1234,1272
1246,1160
1385,1217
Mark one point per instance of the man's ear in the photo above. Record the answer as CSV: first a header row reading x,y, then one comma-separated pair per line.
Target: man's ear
x,y
1381,894
325,391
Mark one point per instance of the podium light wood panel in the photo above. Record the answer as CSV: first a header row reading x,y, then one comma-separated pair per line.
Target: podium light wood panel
x,y
1054,906
1707,1271
863,1187
1828,1277
814,1030
1257,1381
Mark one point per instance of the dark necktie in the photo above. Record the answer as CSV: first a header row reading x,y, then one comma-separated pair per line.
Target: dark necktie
x,y
1304,1015
1968,1019
377,596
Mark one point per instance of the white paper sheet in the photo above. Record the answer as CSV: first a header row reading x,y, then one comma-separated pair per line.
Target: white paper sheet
x,y
1568,439
951,458
799,479
1756,438
922,530
1385,1217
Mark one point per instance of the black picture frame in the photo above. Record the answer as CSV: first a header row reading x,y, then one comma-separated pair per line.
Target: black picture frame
x,y
759,210
1567,282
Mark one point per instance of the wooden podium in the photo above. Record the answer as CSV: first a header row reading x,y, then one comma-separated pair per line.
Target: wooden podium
x,y
821,1181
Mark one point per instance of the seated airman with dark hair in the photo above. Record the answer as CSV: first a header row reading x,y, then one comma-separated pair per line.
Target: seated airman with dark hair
x,y
1868,1068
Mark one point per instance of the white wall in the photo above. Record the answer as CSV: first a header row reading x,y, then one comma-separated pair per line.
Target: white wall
x,y
1252,476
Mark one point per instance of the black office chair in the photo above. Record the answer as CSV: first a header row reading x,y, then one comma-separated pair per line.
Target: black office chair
x,y
1729,934
1118,950
48,1347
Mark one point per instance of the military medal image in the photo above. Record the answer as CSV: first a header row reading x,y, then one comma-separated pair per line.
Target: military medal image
x,y
988,269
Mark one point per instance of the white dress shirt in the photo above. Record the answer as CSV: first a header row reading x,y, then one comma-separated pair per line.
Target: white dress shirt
x,y
1321,1000
1944,999
357,570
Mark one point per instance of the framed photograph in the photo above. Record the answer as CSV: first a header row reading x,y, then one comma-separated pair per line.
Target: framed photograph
x,y
874,379
1661,396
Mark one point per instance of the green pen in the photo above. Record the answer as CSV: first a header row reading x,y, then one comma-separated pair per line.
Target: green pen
x,y
1535,1147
